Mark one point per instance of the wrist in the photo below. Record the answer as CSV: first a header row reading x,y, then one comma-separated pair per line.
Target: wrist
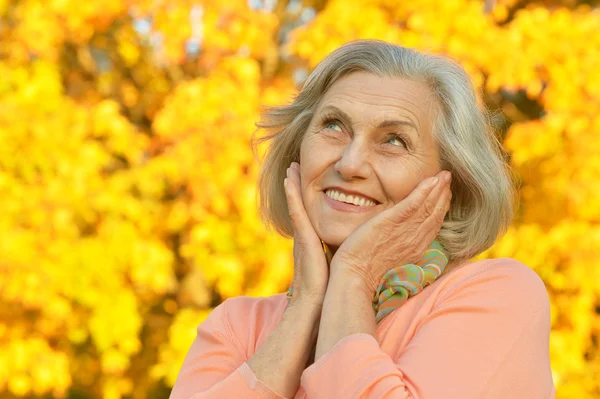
x,y
346,280
305,312
347,310
306,304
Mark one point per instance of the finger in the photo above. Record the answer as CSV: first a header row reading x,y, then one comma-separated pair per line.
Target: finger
x,y
442,206
413,202
431,202
433,223
445,179
296,210
306,229
294,174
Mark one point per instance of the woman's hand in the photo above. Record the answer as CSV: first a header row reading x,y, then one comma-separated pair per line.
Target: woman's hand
x,y
311,271
397,236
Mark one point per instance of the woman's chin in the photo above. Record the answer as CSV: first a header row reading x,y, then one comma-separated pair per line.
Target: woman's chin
x,y
334,234
333,241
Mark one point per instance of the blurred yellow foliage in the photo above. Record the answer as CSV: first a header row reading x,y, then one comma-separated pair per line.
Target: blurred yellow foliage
x,y
128,186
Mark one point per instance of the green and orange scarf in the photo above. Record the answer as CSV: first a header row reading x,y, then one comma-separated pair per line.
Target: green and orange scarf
x,y
403,282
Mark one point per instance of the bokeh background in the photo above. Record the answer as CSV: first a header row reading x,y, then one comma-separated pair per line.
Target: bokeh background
x,y
128,184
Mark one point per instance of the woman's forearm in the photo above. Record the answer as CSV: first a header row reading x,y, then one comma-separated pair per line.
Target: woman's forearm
x,y
280,361
347,310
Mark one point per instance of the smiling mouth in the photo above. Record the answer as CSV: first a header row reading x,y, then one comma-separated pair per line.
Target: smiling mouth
x,y
352,200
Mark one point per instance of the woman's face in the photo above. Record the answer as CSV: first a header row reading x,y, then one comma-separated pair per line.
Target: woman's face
x,y
371,137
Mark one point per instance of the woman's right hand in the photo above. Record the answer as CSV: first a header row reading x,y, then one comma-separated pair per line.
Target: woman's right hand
x,y
311,269
290,348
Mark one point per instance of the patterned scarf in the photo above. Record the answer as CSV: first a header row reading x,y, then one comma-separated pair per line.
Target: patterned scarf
x,y
402,282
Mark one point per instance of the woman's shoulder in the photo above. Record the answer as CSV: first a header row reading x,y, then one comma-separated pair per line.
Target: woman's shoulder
x,y
243,307
243,310
498,267
504,278
249,320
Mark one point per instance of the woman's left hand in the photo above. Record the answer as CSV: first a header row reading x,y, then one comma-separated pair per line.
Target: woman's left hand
x,y
397,236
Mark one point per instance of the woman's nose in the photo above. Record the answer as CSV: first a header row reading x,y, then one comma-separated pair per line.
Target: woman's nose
x,y
353,163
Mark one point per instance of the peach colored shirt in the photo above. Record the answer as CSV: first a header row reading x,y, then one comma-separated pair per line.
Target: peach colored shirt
x,y
480,331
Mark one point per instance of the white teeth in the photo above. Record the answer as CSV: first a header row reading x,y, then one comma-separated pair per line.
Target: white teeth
x,y
351,199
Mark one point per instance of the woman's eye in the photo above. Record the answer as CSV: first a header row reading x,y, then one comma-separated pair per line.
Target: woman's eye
x,y
331,124
401,142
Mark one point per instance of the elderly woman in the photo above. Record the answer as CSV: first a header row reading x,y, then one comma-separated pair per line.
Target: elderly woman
x,y
386,174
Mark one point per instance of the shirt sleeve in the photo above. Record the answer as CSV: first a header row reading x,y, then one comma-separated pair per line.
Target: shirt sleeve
x,y
488,337
215,367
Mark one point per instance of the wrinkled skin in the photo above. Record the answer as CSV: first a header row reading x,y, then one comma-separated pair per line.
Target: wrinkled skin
x,y
390,164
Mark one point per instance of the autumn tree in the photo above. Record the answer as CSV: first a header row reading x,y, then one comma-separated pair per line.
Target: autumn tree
x,y
128,185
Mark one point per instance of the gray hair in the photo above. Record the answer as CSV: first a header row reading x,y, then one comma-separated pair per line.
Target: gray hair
x,y
482,189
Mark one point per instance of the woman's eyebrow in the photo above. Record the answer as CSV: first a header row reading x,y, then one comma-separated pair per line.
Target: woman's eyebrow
x,y
383,124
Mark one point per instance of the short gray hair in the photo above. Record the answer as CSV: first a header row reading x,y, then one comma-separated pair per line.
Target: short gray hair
x,y
482,189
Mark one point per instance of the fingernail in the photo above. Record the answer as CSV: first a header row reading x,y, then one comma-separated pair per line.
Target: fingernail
x,y
435,181
448,177
287,172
